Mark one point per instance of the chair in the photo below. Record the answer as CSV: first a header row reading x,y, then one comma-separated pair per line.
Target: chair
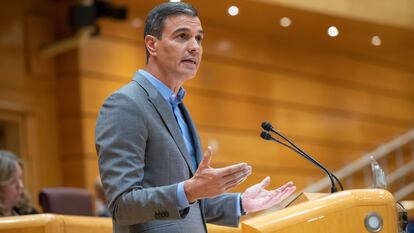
x,y
71,201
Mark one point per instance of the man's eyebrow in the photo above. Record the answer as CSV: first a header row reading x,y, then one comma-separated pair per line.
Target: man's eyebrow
x,y
186,30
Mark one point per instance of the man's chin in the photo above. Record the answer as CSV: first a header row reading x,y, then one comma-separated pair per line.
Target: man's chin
x,y
189,74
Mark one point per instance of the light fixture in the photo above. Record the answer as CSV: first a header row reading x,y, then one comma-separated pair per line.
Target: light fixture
x,y
285,22
224,45
175,1
136,22
233,10
333,31
376,40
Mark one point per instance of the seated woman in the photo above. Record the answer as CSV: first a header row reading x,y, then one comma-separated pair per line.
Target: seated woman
x,y
13,199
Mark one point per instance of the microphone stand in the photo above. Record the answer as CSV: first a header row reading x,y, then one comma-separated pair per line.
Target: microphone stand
x,y
265,135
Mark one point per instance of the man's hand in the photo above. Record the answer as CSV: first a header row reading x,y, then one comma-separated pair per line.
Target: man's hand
x,y
257,198
210,182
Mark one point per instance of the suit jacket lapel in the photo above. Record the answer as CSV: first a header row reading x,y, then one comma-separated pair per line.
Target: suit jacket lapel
x,y
164,110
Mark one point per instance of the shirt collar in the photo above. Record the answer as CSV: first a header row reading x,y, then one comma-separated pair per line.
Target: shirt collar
x,y
166,92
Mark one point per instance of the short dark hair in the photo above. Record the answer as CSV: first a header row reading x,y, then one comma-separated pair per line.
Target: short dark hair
x,y
154,24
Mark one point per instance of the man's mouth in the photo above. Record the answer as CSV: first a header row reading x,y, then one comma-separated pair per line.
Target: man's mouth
x,y
189,61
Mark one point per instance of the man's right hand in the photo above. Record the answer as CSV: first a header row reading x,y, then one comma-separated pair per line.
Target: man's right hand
x,y
210,182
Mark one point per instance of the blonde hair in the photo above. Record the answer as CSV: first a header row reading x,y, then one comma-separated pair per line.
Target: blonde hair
x,y
8,162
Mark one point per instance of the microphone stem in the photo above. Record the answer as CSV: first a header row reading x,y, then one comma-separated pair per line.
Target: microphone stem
x,y
304,154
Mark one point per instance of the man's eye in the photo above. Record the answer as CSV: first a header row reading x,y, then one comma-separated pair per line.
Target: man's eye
x,y
182,36
199,38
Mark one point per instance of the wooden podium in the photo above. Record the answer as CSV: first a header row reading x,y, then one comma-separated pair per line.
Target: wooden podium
x,y
342,212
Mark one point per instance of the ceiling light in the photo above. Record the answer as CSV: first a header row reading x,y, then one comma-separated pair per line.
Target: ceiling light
x,y
224,45
175,1
136,22
285,22
233,10
376,41
333,31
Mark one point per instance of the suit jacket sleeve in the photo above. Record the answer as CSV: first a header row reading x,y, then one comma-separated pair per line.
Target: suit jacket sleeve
x,y
120,139
221,210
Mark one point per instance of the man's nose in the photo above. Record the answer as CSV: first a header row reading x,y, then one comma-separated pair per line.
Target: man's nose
x,y
195,45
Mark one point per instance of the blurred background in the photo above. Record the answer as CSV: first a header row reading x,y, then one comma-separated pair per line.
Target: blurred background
x,y
336,77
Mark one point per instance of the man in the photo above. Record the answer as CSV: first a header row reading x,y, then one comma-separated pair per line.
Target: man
x,y
154,173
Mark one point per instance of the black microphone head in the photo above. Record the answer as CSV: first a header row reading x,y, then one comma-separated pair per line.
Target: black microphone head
x,y
266,126
265,135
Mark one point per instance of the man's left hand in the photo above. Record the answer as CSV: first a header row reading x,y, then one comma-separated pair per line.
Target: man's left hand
x,y
257,198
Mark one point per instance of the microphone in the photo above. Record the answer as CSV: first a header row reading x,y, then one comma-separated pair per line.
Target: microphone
x,y
266,135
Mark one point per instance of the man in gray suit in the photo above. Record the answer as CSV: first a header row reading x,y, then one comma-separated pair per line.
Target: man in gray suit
x,y
154,173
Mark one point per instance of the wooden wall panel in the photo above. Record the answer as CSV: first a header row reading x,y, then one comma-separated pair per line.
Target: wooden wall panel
x,y
285,87
68,95
360,72
94,92
71,135
252,149
80,172
240,114
290,88
29,93
360,10
246,116
100,56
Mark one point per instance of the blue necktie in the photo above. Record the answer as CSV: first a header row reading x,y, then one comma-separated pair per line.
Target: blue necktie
x,y
175,101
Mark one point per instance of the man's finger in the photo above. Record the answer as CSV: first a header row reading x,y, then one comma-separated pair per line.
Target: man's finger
x,y
205,162
234,183
279,196
288,191
288,184
239,178
233,169
265,182
282,195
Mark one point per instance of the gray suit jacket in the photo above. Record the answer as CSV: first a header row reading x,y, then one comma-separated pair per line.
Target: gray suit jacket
x,y
142,158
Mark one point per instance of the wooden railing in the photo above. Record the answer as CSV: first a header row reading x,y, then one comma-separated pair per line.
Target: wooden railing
x,y
395,157
52,223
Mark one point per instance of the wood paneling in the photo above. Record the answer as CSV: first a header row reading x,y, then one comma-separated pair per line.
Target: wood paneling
x,y
122,59
248,116
80,171
384,11
268,87
30,93
274,85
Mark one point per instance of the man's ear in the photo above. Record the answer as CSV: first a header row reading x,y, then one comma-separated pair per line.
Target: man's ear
x,y
151,44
